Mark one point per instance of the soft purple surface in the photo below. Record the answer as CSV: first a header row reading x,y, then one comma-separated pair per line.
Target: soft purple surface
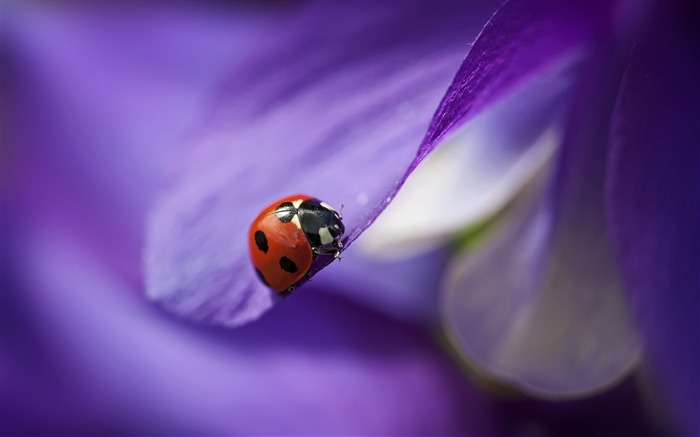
x,y
335,110
317,365
654,198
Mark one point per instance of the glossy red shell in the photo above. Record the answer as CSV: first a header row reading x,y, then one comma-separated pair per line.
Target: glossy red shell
x,y
283,240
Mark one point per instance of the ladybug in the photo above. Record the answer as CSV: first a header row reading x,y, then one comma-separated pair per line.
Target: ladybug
x,y
288,235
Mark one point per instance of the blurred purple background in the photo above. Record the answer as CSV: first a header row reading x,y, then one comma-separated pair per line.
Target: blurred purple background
x,y
124,122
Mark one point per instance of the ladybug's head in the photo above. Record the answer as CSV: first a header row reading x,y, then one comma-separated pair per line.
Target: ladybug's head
x,y
336,227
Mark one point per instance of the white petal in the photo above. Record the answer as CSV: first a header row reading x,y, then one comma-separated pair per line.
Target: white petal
x,y
542,309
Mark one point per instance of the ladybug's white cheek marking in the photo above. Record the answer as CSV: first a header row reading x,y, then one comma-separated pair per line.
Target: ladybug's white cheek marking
x,y
327,206
296,221
326,237
297,203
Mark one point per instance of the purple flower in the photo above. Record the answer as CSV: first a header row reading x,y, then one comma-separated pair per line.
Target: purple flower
x,y
565,208
101,98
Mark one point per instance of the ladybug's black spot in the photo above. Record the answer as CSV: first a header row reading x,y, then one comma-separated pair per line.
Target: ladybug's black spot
x,y
261,241
285,212
262,278
288,265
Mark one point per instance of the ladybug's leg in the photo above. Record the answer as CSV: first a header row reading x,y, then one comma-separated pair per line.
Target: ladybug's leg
x,y
327,251
288,291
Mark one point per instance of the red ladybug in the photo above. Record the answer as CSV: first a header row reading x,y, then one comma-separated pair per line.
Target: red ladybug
x,y
288,235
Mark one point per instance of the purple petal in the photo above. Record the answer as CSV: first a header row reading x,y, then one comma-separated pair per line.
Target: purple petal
x,y
654,198
541,304
316,366
478,168
335,107
520,40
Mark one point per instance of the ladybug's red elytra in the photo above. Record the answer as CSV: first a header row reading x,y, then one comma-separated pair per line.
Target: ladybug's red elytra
x,y
288,235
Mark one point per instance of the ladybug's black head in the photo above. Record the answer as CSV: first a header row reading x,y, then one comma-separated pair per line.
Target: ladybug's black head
x,y
321,223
